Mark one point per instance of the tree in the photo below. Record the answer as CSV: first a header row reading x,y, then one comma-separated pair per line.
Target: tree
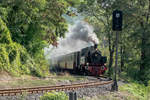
x,y
134,43
32,25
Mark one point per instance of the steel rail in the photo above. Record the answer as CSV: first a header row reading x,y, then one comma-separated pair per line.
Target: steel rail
x,y
10,92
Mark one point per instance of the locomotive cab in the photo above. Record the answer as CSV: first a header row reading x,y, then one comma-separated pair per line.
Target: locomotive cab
x,y
94,57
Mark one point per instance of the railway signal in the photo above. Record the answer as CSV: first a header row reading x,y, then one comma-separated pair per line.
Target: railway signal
x,y
117,26
117,20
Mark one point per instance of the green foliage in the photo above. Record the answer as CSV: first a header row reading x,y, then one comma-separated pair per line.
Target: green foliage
x,y
15,59
39,19
138,90
74,2
54,96
132,72
26,27
148,90
4,33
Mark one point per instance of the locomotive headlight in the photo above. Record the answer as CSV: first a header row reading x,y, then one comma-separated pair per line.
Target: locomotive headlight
x,y
87,64
86,67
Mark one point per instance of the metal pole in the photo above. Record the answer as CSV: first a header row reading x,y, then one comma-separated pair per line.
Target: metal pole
x,y
115,85
116,64
71,97
75,96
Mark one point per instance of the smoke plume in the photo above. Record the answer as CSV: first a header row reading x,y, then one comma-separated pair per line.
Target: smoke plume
x,y
79,35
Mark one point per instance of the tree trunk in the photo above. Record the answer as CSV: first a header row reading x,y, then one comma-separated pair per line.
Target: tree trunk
x,y
143,53
111,54
122,51
144,46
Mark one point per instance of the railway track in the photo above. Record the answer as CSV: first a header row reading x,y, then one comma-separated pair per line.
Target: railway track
x,y
19,91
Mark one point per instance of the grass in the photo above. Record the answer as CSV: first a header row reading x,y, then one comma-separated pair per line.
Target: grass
x,y
29,81
26,83
138,91
135,88
112,96
120,95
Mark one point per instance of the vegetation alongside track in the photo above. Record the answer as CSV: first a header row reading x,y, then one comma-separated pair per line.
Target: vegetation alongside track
x,y
138,91
54,96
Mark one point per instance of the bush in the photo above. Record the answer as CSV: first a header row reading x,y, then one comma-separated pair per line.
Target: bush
x,y
132,72
137,90
148,90
54,96
16,59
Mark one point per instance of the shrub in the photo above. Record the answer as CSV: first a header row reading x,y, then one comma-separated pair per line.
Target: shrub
x,y
148,90
54,96
16,59
137,90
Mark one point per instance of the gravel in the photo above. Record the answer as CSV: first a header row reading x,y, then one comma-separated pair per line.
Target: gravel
x,y
92,91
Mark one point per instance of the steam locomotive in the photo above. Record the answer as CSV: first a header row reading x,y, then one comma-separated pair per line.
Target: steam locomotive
x,y
88,61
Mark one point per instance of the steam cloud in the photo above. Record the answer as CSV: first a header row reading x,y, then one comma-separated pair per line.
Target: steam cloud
x,y
80,35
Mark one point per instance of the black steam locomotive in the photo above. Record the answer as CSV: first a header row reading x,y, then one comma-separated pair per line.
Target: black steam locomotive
x,y
87,61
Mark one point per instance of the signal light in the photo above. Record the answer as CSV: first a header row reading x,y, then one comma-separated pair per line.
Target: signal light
x,y
117,20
